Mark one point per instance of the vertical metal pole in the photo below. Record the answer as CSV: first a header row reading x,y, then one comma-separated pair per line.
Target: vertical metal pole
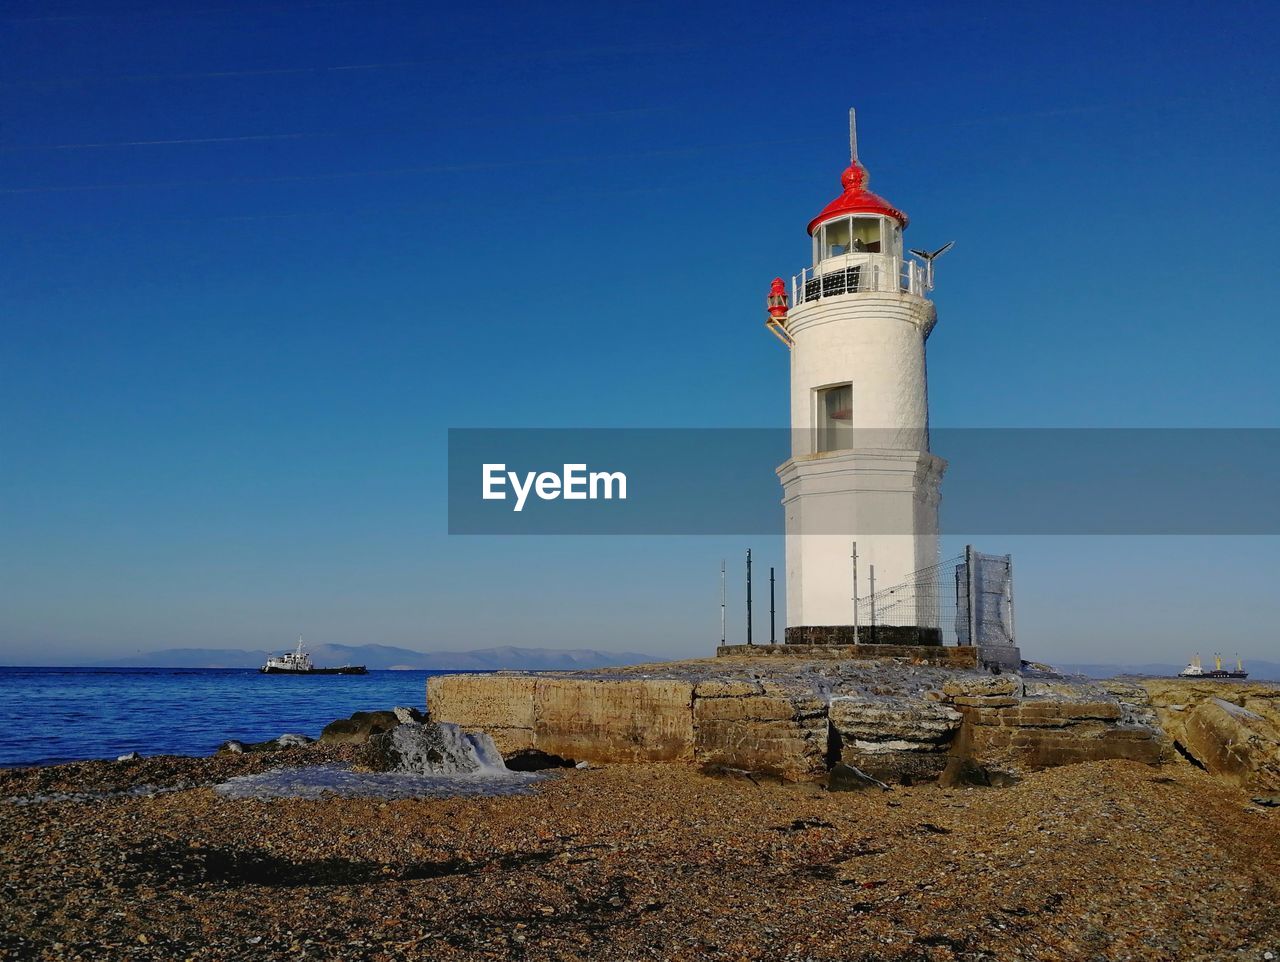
x,y
969,578
872,569
722,601
773,637
1013,638
749,596
853,556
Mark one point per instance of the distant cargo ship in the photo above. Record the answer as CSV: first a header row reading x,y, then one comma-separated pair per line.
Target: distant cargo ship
x,y
298,662
1194,670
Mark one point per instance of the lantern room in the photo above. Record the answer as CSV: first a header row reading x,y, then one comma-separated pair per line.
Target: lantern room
x,y
857,242
857,234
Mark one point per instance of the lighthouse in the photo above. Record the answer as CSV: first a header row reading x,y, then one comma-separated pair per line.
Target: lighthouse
x,y
856,322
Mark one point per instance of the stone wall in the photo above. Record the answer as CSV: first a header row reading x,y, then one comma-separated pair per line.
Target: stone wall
x,y
619,720
634,720
1016,723
895,719
501,704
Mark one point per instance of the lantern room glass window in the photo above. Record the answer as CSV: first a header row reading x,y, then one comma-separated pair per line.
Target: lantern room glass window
x,y
834,418
857,235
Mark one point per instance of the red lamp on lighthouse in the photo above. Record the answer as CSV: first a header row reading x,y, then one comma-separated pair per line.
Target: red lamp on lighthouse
x,y
776,307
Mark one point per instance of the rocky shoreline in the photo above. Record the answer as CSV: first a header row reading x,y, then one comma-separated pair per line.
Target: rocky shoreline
x,y
1112,859
893,719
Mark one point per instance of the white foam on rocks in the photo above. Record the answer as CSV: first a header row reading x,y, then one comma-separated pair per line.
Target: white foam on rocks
x,y
318,781
432,759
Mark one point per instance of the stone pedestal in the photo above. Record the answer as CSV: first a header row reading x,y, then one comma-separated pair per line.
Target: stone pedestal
x,y
866,635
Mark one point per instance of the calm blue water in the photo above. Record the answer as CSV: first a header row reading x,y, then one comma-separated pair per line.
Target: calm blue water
x,y
62,714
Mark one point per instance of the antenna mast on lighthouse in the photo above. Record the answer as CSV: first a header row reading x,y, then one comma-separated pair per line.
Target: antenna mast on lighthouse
x,y
853,136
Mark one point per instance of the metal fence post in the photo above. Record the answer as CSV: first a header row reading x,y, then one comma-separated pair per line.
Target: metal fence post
x,y
1013,638
749,597
854,558
773,637
722,601
872,571
970,594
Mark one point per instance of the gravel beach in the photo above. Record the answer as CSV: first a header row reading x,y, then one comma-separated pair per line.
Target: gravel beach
x,y
1107,860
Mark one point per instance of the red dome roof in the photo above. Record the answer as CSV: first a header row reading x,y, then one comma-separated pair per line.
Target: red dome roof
x,y
856,199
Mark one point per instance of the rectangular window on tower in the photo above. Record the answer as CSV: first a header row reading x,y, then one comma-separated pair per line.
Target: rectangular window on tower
x,y
834,419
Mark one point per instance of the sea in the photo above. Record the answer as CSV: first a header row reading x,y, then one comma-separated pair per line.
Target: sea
x,y
51,715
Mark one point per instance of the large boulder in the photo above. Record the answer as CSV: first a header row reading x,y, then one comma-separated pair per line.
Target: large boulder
x,y
357,729
1234,743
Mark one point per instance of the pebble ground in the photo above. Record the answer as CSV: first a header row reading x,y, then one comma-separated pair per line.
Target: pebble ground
x,y
1103,861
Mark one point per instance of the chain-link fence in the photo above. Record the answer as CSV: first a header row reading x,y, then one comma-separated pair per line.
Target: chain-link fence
x,y
924,601
964,600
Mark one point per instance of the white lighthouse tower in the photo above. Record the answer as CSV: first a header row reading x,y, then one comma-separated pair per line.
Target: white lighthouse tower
x,y
860,468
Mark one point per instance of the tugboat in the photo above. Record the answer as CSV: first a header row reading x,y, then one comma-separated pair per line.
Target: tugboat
x,y
1194,670
298,662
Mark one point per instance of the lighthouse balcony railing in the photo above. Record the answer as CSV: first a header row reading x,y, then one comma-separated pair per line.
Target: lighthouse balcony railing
x,y
884,276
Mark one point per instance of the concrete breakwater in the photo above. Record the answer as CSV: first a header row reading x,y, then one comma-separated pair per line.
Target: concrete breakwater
x,y
893,720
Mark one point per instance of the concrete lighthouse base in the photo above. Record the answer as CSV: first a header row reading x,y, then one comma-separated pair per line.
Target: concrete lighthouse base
x,y
1001,657
884,502
863,635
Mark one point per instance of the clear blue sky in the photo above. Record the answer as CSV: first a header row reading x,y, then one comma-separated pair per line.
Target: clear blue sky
x,y
260,256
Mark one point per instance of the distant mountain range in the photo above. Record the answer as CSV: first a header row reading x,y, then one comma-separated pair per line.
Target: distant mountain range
x,y
385,656
1258,670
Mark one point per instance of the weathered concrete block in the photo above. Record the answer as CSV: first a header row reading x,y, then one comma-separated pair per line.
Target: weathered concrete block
x,y
501,705
983,685
893,719
1044,748
794,749
1049,713
778,729
901,768
726,688
985,701
486,701
759,707
614,721
894,739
